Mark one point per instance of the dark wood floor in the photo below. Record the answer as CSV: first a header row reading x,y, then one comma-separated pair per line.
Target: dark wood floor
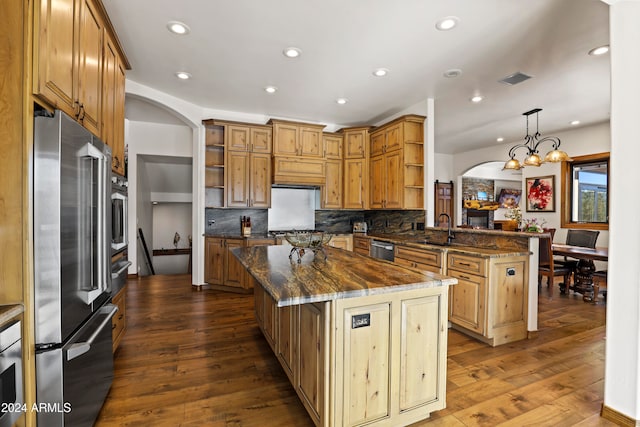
x,y
198,359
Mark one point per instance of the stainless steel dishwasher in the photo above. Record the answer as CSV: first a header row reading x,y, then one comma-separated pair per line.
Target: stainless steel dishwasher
x,y
382,250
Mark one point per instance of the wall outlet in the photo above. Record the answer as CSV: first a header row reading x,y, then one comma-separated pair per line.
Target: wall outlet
x,y
420,225
511,271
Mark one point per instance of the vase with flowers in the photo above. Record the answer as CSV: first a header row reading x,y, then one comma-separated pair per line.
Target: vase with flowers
x,y
533,225
515,215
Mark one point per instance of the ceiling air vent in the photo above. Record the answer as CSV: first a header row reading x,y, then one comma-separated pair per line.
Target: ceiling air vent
x,y
514,78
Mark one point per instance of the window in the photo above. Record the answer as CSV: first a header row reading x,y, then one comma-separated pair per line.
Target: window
x,y
585,190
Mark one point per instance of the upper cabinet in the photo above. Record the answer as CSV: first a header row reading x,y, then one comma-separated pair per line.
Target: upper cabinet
x,y
79,68
296,139
355,168
397,164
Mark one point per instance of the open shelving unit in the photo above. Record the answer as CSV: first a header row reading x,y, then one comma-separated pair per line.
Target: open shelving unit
x,y
214,167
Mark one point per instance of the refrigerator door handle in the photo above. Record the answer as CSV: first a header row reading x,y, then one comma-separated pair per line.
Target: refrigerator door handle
x,y
90,295
80,348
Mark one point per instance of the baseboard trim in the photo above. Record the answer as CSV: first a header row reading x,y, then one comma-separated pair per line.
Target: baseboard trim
x,y
617,418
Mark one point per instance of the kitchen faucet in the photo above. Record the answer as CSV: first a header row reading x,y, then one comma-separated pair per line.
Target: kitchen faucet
x,y
450,235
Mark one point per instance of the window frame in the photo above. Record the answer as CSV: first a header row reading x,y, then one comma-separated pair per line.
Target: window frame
x,y
566,185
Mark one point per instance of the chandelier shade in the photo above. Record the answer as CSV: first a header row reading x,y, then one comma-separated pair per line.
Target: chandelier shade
x,y
531,143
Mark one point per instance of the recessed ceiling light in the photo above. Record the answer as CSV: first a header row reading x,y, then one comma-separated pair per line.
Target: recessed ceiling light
x,y
270,89
342,101
477,99
447,23
380,72
601,50
177,27
574,122
452,73
500,139
183,75
291,52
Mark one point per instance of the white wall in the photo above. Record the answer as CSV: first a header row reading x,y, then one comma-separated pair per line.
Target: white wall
x,y
141,205
169,219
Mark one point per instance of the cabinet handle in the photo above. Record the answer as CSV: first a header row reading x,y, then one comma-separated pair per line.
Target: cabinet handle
x,y
466,264
465,277
76,109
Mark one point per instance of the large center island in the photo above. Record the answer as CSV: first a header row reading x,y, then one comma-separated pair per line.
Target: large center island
x,y
362,341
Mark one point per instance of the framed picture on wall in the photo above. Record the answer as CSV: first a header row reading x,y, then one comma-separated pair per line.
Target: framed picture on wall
x,y
509,198
541,194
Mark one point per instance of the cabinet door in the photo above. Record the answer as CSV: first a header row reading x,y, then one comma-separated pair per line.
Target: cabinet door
x,y
234,271
355,184
109,65
90,66
117,159
285,139
287,342
310,142
377,143
377,196
214,261
237,179
393,181
332,190
419,349
258,300
237,138
366,364
311,370
270,321
342,242
467,301
355,144
261,140
54,65
332,146
260,181
393,137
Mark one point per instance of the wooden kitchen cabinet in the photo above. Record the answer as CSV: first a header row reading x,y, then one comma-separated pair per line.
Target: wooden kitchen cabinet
x,y
297,139
421,259
214,261
215,162
312,357
113,98
79,68
234,272
396,165
119,320
332,143
287,340
490,300
356,142
266,314
356,187
331,191
248,180
342,241
361,244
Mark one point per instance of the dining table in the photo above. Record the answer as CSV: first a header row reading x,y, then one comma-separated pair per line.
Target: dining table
x,y
583,276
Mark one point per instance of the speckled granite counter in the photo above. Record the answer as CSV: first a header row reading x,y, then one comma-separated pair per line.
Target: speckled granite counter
x,y
8,312
416,242
342,275
238,236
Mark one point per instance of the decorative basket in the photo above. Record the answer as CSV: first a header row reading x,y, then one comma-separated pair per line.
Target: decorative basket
x,y
312,240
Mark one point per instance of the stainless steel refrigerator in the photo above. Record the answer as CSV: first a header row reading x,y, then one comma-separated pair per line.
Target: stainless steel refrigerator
x,y
72,267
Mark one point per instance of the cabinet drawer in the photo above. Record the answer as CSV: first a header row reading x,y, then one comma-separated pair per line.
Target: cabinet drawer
x,y
467,264
119,320
418,265
420,256
361,243
297,170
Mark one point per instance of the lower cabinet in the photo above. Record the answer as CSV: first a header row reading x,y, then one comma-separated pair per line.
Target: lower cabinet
x,y
361,245
222,269
372,360
119,320
344,241
490,300
420,259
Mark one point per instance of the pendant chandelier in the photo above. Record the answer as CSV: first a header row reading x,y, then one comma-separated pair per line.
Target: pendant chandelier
x,y
531,143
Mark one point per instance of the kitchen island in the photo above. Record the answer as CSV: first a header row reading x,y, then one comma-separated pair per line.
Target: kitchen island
x,y
362,341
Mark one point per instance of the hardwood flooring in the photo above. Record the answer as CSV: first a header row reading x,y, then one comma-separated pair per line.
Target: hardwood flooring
x,y
194,358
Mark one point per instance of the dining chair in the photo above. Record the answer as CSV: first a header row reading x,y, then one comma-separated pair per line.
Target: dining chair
x,y
582,238
546,264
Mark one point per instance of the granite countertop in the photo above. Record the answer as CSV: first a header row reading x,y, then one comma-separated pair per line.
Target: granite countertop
x,y
342,274
239,236
415,242
8,312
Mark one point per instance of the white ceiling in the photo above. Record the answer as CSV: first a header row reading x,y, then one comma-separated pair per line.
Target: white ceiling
x,y
235,48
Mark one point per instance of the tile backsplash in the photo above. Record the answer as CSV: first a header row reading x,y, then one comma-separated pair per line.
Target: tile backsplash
x,y
227,221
